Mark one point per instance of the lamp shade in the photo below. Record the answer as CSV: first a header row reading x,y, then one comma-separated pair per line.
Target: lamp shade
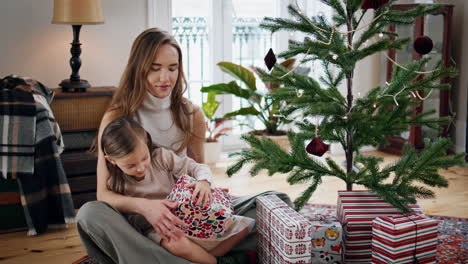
x,y
77,12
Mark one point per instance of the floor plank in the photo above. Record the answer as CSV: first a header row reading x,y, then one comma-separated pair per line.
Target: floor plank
x,y
64,246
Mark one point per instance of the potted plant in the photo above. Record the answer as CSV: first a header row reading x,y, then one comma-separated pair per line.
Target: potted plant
x,y
260,104
214,129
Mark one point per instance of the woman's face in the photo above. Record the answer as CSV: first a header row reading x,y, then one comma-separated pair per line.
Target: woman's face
x,y
162,76
135,163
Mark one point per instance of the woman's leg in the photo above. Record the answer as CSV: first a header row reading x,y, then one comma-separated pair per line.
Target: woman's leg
x,y
246,206
187,249
228,244
108,237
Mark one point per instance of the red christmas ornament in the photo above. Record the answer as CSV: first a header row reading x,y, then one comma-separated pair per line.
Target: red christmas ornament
x,y
423,45
373,4
317,147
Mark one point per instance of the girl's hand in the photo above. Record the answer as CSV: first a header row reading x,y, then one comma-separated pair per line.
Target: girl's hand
x,y
202,193
158,214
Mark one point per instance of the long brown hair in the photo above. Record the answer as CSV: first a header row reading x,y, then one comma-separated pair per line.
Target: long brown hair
x,y
134,84
120,138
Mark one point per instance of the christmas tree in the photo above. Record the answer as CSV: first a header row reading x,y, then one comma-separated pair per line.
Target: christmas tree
x,y
352,122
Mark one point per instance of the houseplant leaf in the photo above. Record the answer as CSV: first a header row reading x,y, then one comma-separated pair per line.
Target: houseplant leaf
x,y
239,73
228,88
243,112
221,132
211,105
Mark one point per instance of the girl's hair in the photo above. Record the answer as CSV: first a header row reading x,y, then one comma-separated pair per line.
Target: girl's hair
x,y
134,84
120,138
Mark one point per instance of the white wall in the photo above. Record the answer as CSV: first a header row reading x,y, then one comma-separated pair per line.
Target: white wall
x,y
31,46
460,84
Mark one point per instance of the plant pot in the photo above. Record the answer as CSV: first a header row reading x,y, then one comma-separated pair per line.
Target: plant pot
x,y
212,151
281,140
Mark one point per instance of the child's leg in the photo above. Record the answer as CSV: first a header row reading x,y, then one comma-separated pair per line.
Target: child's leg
x,y
228,244
185,248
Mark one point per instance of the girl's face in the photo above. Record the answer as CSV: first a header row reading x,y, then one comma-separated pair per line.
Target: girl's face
x,y
135,163
164,71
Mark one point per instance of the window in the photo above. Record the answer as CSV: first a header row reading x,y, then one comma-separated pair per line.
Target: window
x,y
190,28
220,30
210,31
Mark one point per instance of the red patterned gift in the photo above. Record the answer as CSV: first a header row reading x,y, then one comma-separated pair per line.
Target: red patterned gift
x,y
404,239
203,221
284,235
356,211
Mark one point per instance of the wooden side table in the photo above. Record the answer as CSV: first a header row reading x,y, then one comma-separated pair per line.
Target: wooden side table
x,y
81,111
79,116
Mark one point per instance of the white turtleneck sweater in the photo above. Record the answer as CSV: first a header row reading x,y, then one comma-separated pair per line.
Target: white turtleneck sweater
x,y
155,116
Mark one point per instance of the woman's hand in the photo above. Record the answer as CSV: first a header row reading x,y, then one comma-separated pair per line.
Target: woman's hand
x,y
202,193
158,214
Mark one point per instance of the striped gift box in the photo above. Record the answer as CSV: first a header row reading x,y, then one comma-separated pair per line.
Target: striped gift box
x,y
284,235
356,210
400,239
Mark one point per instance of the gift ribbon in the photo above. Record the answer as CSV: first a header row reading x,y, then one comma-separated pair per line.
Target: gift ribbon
x,y
415,259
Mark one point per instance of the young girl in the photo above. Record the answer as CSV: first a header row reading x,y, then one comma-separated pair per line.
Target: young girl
x,y
138,169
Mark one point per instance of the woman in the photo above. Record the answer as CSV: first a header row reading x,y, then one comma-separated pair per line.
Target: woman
x,y
150,92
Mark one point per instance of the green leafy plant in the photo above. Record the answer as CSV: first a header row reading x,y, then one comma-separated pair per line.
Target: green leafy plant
x,y
214,127
260,105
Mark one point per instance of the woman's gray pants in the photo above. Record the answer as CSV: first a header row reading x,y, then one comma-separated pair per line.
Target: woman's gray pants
x,y
112,237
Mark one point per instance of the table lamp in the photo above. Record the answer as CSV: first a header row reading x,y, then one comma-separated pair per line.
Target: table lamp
x,y
76,13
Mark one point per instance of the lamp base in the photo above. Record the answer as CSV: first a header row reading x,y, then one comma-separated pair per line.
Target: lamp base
x,y
69,86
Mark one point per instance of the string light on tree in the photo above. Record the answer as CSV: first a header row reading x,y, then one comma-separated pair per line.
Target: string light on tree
x,y
299,92
295,67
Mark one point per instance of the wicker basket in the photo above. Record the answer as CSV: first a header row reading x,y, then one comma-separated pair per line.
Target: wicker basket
x,y
81,111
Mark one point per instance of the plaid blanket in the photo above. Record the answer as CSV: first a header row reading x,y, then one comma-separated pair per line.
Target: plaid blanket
x,y
30,141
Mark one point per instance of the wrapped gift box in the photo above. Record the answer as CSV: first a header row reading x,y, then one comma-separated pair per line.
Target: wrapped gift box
x,y
356,210
284,235
203,221
327,242
400,239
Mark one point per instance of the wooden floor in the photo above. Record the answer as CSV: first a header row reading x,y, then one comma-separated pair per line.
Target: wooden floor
x,y
64,246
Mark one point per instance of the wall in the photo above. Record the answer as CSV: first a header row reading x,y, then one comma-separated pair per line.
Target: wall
x,y
460,84
31,46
